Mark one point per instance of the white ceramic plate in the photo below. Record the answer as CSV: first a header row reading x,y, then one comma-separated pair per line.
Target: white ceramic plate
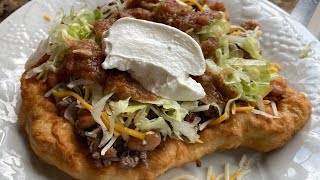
x,y
282,41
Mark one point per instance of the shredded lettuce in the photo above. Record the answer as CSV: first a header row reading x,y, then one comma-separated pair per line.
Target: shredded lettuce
x,y
187,129
216,28
38,54
248,75
96,115
110,7
172,110
305,52
119,107
154,124
75,26
252,46
169,121
134,106
78,23
96,92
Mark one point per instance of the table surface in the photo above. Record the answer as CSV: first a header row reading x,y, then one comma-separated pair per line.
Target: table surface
x,y
9,6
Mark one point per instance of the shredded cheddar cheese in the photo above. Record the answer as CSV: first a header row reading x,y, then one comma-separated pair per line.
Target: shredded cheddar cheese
x,y
227,171
104,116
86,93
219,120
209,173
199,141
244,109
46,17
236,33
233,109
273,69
73,94
265,102
277,66
123,129
195,2
40,75
234,175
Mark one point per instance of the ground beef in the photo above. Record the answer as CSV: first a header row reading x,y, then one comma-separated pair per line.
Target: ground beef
x,y
100,26
216,6
143,157
137,13
210,113
129,162
96,155
198,163
191,117
249,25
209,46
171,13
278,89
117,153
82,60
195,37
124,86
145,4
52,79
111,153
85,119
93,144
129,159
215,88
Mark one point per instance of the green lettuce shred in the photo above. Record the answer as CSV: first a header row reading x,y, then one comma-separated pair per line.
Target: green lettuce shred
x,y
75,26
170,117
239,55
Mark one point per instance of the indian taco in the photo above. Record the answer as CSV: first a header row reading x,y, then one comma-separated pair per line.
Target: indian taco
x,y
134,88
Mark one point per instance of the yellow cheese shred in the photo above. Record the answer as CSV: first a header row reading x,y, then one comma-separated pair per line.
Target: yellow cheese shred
x,y
244,109
195,2
40,75
104,116
273,69
199,141
234,175
277,66
86,92
123,129
266,102
236,33
212,177
219,120
46,17
233,108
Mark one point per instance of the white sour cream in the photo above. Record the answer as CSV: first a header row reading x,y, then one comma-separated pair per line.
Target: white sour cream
x,y
158,56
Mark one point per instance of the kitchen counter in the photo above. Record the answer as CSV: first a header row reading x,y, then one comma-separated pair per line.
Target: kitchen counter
x,y
9,6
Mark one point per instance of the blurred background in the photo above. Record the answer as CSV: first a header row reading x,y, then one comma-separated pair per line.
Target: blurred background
x,y
305,11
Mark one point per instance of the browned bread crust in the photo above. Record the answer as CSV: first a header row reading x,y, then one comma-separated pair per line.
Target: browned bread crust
x,y
53,138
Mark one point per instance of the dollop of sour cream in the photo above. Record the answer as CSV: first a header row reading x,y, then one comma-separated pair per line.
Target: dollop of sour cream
x,y
160,57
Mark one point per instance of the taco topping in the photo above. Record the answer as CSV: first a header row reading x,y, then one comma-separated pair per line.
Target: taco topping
x,y
131,74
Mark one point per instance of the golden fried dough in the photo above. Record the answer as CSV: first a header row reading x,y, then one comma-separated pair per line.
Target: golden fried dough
x,y
53,138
